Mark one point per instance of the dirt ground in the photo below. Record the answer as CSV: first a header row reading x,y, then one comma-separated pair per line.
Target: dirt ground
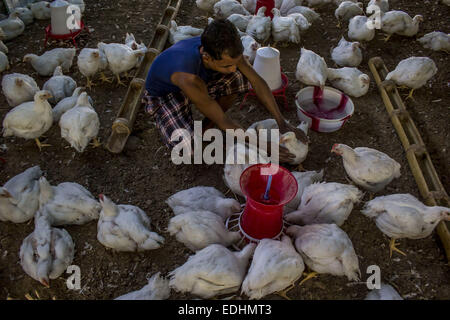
x,y
143,174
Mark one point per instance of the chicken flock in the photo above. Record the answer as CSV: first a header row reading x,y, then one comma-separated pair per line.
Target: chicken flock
x,y
313,239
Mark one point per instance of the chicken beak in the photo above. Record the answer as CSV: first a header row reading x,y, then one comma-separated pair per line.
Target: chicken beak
x,y
45,282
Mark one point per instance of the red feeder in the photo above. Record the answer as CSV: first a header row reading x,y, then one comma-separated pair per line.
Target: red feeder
x,y
264,218
269,4
72,35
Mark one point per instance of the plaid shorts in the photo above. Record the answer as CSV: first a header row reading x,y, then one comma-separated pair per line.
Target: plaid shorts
x,y
173,111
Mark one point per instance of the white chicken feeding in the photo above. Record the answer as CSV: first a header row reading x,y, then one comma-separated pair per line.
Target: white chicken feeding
x,y
386,292
90,61
67,104
67,203
4,62
19,196
30,120
178,33
304,179
400,23
326,248
250,47
12,27
349,80
59,85
413,73
308,13
404,216
225,8
41,10
240,21
203,199
80,124
311,69
370,169
359,30
125,227
47,252
436,41
347,10
18,88
275,266
25,14
198,229
157,288
260,26
212,271
284,29
325,202
347,54
46,63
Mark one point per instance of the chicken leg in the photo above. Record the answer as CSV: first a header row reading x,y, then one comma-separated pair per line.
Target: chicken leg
x,y
119,82
89,83
40,145
284,292
410,95
392,246
96,143
387,37
104,78
308,276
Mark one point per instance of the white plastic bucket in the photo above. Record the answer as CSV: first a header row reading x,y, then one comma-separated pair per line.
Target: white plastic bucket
x,y
267,65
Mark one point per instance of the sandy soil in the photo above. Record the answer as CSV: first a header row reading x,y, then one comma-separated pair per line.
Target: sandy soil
x,y
143,174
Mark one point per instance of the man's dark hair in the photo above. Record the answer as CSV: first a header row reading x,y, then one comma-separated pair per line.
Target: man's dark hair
x,y
221,36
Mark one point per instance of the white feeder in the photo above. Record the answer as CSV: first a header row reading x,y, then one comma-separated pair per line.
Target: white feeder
x,y
59,17
267,65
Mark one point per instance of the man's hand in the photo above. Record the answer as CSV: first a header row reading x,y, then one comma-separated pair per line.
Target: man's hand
x,y
301,136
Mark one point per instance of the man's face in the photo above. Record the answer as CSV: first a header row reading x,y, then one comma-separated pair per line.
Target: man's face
x,y
225,65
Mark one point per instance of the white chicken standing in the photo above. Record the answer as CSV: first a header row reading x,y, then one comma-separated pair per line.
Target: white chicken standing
x,y
302,23
90,61
203,199
178,33
275,266
386,292
347,54
59,85
348,10
326,248
250,47
284,28
400,23
131,42
349,80
198,229
25,14
19,196
370,169
436,41
413,73
30,120
359,30
157,288
47,252
308,13
41,10
225,8
67,203
46,63
18,88
12,27
260,26
80,124
311,69
404,216
325,202
304,179
67,104
212,271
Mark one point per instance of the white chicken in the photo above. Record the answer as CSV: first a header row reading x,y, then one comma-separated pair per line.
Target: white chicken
x,y
359,30
178,33
120,57
250,47
25,15
304,179
225,8
125,227
59,86
4,62
347,54
404,216
436,41
386,292
348,10
90,61
45,64
349,80
325,202
18,88
12,27
249,5
80,124
311,69
308,13
47,252
400,23
131,42
19,196
212,271
326,248
67,104
203,199
198,229
260,26
156,289
382,4
275,266
302,23
30,120
3,47
67,203
206,5
413,72
240,21
41,10
284,28
368,168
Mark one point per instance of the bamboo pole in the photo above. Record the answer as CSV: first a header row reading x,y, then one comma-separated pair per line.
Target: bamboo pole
x,y
427,179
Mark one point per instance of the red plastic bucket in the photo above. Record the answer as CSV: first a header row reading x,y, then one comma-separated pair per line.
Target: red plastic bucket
x,y
269,4
264,219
